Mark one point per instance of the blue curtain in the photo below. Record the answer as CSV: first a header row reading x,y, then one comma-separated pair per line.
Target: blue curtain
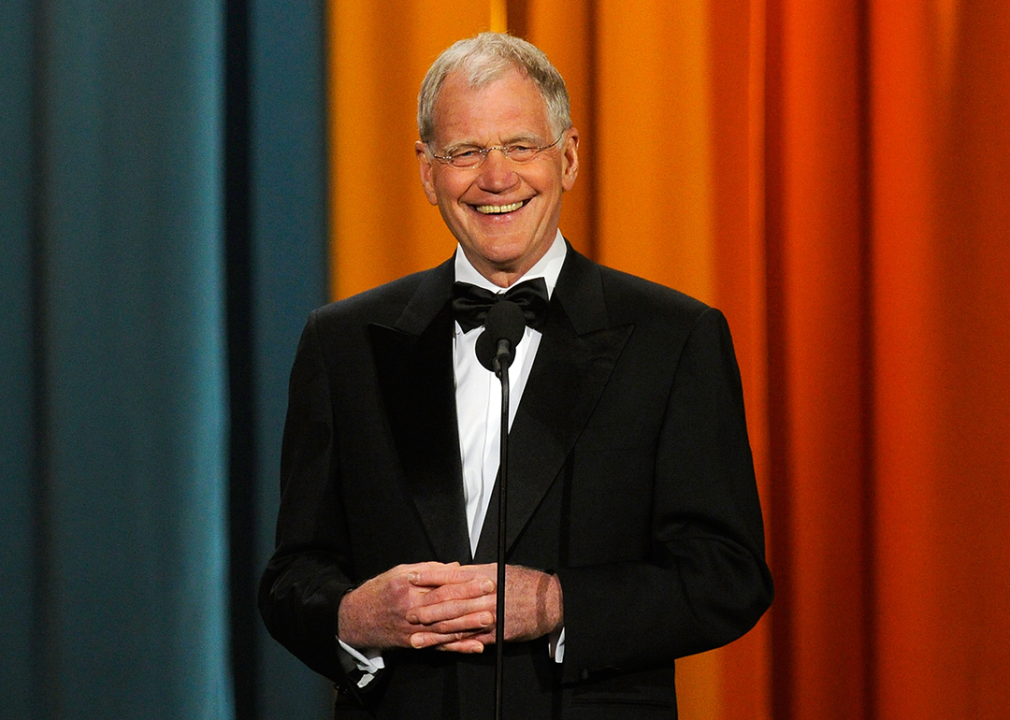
x,y
122,554
17,556
288,264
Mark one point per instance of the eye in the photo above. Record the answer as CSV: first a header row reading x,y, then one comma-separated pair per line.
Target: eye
x,y
521,151
466,153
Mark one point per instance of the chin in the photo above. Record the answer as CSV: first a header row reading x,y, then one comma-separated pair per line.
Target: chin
x,y
507,261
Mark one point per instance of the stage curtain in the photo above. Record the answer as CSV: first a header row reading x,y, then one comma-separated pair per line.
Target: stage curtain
x,y
114,592
835,177
277,263
939,205
162,236
378,54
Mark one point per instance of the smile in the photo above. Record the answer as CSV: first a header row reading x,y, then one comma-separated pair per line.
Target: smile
x,y
499,209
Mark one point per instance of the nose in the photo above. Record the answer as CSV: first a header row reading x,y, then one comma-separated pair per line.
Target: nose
x,y
497,173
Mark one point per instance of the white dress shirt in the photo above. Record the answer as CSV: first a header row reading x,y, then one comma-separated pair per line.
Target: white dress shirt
x,y
478,415
478,390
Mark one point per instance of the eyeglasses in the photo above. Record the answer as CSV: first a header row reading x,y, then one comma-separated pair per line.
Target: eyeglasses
x,y
473,156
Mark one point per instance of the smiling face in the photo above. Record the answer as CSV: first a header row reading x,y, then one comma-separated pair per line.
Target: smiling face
x,y
504,214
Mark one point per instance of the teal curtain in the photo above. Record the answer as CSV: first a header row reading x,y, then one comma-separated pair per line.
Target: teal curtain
x,y
17,556
288,265
117,275
122,538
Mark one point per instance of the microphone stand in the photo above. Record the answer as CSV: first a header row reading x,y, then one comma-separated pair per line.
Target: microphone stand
x,y
501,368
503,329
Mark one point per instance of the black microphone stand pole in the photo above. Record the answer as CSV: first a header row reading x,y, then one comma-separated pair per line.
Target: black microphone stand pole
x,y
503,329
501,367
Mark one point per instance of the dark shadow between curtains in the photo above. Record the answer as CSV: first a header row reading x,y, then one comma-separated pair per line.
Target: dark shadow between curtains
x,y
275,217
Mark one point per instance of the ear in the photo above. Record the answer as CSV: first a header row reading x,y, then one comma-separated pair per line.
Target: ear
x,y
424,166
570,159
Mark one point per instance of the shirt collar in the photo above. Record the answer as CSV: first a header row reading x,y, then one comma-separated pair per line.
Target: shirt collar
x,y
548,267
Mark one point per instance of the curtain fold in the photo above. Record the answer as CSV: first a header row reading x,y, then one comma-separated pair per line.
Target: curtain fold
x,y
815,233
378,55
834,176
133,409
288,273
141,409
941,288
121,408
18,592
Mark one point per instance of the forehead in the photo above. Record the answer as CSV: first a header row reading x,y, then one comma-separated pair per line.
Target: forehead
x,y
509,106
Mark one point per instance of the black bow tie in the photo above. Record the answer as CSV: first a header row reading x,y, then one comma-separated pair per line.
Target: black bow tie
x,y
471,303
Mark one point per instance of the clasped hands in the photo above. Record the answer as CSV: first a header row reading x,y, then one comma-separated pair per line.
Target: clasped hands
x,y
449,607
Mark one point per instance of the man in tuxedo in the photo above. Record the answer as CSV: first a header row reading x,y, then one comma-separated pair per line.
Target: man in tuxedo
x,y
634,534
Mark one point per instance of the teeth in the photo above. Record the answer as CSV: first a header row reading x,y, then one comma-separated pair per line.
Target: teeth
x,y
497,209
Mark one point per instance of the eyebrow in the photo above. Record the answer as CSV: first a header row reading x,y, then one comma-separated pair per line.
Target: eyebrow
x,y
521,138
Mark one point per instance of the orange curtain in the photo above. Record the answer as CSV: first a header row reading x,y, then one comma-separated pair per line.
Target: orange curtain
x,y
836,177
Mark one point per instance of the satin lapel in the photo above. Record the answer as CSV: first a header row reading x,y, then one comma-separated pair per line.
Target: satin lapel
x,y
577,354
414,364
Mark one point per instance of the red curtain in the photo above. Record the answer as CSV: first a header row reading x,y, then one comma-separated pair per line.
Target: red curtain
x,y
836,177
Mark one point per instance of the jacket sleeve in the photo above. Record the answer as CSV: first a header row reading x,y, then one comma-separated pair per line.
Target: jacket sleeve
x,y
704,581
304,582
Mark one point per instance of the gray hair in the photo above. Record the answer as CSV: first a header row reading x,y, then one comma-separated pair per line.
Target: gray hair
x,y
485,58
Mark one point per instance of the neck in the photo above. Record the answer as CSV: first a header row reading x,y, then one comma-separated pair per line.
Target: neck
x,y
505,276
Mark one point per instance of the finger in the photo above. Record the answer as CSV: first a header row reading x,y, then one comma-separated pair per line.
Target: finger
x,y
420,613
471,646
425,639
468,590
435,575
418,573
478,621
485,639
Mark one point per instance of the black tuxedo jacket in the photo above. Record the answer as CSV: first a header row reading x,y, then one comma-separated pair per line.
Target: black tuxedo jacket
x,y
630,477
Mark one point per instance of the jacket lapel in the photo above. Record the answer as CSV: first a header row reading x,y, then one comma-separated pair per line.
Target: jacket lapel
x,y
415,369
577,354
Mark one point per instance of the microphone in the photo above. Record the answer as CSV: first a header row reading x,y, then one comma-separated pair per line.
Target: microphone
x,y
503,329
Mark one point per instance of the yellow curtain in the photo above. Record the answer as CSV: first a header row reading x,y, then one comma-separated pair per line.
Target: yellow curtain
x,y
836,177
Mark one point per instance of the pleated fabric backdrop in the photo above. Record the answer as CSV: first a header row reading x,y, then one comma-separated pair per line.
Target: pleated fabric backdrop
x,y
162,238
835,177
115,572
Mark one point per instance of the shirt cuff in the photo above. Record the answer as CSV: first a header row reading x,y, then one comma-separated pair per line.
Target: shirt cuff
x,y
368,661
556,646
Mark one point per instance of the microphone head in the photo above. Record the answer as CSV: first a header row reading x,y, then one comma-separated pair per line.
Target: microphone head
x,y
505,321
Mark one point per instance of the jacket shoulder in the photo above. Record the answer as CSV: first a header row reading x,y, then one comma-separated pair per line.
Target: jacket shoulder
x,y
382,304
632,299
